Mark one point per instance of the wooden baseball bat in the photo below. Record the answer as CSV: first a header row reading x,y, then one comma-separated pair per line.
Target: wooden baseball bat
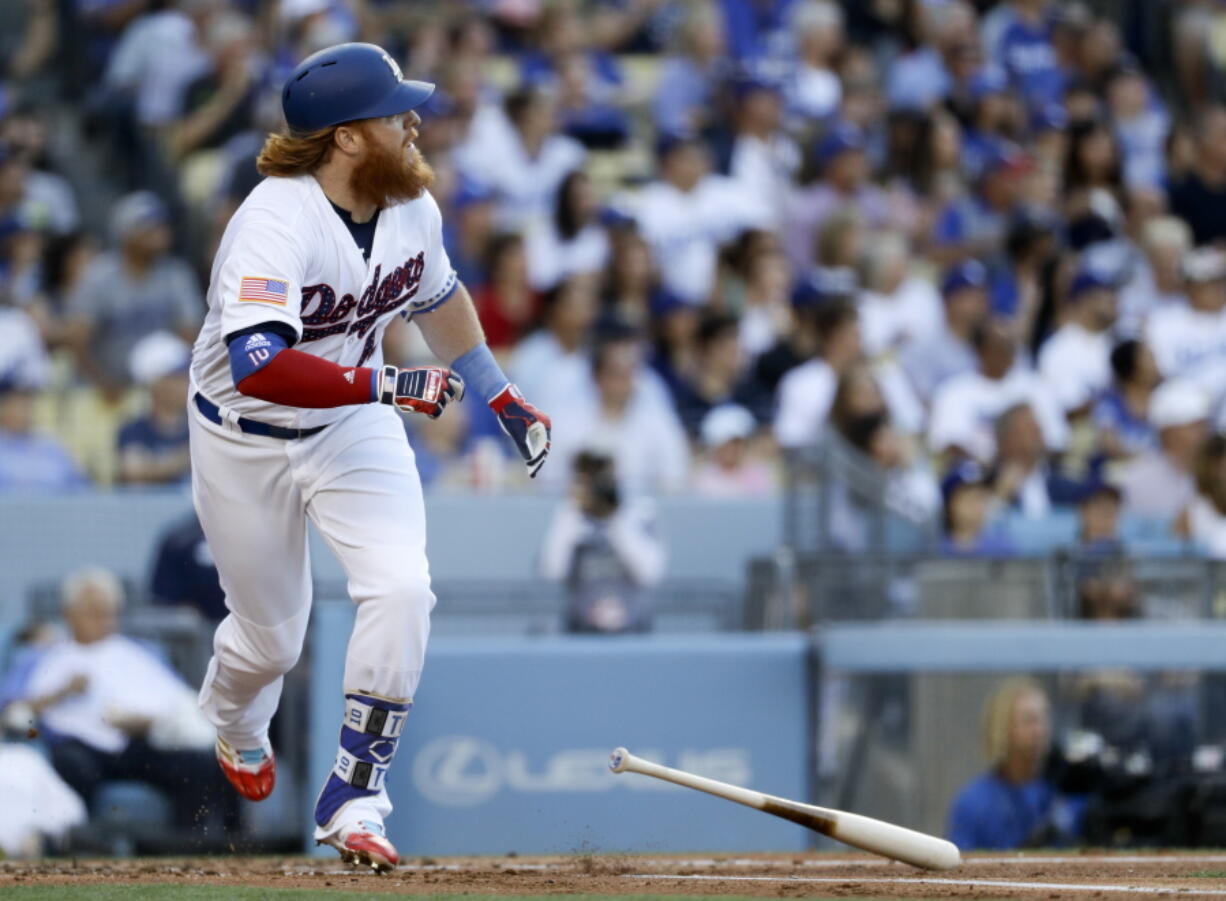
x,y
862,832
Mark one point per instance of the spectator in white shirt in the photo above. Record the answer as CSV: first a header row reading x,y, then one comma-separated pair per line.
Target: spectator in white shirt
x,y
966,407
764,157
1161,484
947,352
571,241
629,417
897,308
1075,361
523,158
1020,477
689,213
1156,280
806,393
730,465
553,355
814,90
1189,340
113,710
767,314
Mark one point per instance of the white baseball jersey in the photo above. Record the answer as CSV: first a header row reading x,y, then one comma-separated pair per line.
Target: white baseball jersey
x,y
287,257
1076,365
686,229
1189,343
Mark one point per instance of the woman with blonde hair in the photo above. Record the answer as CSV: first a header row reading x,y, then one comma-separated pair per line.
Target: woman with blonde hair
x,y
1012,805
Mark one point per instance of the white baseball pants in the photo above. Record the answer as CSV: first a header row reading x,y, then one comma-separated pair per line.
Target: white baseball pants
x,y
357,482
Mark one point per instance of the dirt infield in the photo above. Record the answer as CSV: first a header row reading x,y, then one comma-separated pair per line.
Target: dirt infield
x,y
811,875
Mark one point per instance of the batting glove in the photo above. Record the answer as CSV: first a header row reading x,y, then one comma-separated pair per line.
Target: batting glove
x,y
427,389
524,424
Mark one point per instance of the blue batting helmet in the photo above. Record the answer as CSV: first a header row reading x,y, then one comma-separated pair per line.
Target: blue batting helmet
x,y
348,82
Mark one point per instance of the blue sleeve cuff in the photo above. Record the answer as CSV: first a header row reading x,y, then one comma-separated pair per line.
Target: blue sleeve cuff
x,y
440,297
481,372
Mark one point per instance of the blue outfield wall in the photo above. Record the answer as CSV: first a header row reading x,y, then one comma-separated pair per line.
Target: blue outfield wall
x,y
508,742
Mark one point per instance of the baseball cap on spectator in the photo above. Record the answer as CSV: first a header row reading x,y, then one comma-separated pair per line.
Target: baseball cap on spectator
x,y
840,138
668,140
1204,264
1178,402
727,422
752,81
969,274
665,303
824,283
961,474
158,355
135,211
988,80
1088,280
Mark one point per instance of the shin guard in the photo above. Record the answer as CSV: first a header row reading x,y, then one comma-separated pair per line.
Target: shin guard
x,y
369,735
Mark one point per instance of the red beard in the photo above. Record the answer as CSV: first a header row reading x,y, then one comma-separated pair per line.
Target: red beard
x,y
385,178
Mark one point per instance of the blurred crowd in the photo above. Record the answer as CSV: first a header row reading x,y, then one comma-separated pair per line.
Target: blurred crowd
x,y
981,243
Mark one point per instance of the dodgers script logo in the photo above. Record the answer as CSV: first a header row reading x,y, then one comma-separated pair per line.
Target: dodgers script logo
x,y
384,294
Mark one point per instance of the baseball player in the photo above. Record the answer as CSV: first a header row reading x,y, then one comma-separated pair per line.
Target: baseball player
x,y
294,416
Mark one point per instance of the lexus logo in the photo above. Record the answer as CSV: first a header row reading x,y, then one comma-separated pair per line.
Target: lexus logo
x,y
463,771
458,771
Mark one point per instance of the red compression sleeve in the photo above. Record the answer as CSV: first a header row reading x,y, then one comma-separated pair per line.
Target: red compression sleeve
x,y
297,379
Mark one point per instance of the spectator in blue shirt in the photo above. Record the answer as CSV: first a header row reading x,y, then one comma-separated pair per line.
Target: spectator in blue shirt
x,y
975,225
29,461
1121,416
589,80
686,88
1012,805
967,524
991,118
153,447
1029,56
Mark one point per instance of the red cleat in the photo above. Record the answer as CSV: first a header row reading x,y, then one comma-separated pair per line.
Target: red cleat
x,y
252,773
365,845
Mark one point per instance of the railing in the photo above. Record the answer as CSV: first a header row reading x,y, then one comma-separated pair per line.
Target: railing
x,y
798,591
837,497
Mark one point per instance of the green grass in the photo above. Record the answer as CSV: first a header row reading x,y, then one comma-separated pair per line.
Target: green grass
x,y
156,891
1208,874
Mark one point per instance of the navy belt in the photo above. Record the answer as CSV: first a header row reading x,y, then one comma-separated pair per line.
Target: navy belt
x,y
212,412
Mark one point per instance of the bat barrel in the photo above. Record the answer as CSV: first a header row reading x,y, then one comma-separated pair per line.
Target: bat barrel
x,y
897,842
876,836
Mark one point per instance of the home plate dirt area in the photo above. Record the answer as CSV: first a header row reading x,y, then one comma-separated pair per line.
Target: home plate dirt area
x,y
815,875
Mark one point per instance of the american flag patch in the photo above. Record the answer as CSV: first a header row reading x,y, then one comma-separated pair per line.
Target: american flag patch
x,y
263,290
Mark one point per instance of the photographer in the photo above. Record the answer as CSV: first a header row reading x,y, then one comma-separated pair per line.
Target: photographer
x,y
606,553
